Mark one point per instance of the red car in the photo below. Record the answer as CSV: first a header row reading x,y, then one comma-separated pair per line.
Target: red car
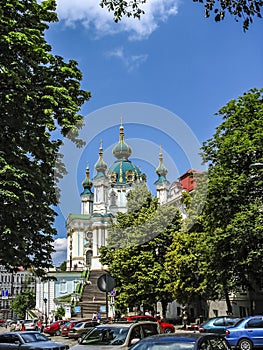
x,y
165,327
67,326
54,327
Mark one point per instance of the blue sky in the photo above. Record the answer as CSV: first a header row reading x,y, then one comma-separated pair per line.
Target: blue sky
x,y
166,75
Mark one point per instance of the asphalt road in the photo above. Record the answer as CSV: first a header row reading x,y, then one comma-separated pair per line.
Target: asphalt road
x,y
63,340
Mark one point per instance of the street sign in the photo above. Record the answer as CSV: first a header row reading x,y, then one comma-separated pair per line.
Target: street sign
x,y
106,283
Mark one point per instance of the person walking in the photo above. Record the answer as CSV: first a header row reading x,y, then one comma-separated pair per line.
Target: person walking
x,y
39,325
184,318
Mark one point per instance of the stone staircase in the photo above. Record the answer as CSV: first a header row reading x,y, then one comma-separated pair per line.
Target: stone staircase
x,y
92,297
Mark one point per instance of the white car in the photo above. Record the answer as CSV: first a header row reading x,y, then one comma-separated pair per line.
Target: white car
x,y
116,336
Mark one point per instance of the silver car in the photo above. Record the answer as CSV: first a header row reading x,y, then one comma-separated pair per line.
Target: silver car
x,y
31,325
28,340
116,336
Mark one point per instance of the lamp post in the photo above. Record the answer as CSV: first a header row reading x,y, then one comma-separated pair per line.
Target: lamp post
x,y
45,302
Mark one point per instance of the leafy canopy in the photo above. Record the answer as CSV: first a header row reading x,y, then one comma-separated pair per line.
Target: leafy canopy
x,y
136,248
243,10
233,211
40,97
23,302
219,251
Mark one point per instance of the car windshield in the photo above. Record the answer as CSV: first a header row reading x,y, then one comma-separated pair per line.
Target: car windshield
x,y
106,336
164,346
33,337
77,325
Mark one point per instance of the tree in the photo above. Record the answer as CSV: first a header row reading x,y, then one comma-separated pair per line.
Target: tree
x,y
40,97
233,211
186,261
23,302
219,251
243,10
63,266
136,248
60,313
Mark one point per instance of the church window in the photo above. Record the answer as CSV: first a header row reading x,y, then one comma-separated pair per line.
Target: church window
x,y
113,199
88,257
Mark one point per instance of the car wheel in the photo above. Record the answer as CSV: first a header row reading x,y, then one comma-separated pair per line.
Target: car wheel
x,y
57,332
167,330
245,344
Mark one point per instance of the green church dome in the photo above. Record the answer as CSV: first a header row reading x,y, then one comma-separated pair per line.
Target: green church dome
x,y
123,171
122,150
87,183
161,170
101,166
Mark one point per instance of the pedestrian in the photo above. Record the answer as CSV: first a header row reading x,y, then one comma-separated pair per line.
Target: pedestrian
x,y
94,317
98,317
39,325
12,327
23,328
147,313
184,318
18,326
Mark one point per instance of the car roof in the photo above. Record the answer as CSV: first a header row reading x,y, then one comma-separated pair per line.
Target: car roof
x,y
123,324
181,336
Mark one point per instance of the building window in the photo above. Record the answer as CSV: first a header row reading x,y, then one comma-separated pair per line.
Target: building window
x,y
63,286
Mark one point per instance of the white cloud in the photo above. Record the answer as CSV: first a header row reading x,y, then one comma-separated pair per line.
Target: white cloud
x,y
60,255
131,62
92,16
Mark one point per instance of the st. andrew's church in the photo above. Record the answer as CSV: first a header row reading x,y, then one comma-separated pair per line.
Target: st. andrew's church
x,y
88,231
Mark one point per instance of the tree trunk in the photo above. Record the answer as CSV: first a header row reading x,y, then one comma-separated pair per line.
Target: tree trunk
x,y
228,303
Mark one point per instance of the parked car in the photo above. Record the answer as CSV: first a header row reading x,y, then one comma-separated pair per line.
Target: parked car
x,y
247,333
28,340
117,336
54,327
67,326
165,327
218,324
31,325
81,328
183,341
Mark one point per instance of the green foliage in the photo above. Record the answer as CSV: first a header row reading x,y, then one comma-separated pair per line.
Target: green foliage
x,y
137,245
60,313
219,249
63,266
233,211
22,302
40,97
122,8
244,10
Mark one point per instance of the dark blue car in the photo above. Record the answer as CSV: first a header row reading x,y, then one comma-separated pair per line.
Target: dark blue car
x,y
183,341
247,333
